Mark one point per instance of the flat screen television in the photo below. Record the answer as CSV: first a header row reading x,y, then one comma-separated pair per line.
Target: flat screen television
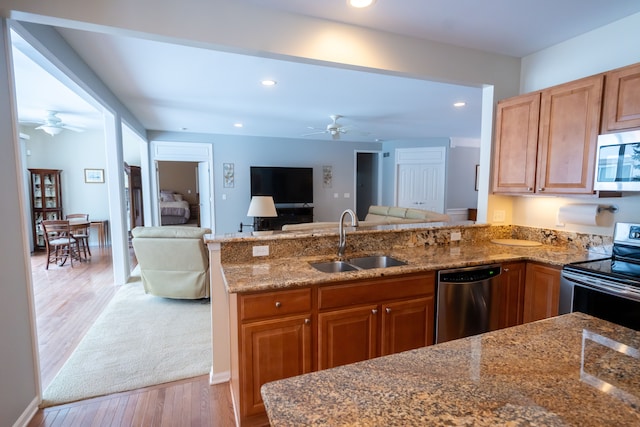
x,y
285,184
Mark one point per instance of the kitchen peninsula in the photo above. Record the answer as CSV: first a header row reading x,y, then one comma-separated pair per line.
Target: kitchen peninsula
x,y
571,370
277,314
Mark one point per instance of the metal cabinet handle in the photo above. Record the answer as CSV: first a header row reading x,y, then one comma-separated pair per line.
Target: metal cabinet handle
x,y
278,304
505,269
307,321
374,311
529,189
540,189
388,310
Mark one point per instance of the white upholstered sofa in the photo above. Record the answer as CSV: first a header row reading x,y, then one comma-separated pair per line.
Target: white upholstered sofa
x,y
173,260
380,215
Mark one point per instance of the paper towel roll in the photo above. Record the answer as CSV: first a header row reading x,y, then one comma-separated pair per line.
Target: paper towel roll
x,y
578,214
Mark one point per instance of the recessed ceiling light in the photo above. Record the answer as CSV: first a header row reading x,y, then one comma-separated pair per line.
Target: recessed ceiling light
x,y
459,104
361,3
238,125
268,82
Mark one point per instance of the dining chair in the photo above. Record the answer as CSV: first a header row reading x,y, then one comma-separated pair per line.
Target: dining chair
x,y
60,243
81,234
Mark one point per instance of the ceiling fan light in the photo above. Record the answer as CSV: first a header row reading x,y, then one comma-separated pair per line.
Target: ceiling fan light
x,y
361,3
51,130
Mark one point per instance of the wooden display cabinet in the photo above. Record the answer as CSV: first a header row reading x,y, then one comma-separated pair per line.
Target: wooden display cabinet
x,y
46,201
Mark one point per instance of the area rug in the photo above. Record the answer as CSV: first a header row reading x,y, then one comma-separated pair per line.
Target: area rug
x,y
139,340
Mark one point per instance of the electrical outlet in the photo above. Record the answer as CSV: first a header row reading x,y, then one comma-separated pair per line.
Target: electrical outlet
x,y
261,250
455,236
499,216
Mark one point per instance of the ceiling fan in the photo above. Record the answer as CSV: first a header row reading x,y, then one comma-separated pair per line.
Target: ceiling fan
x,y
53,125
334,129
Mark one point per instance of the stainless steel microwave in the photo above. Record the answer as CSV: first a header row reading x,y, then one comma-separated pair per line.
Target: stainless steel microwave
x,y
618,162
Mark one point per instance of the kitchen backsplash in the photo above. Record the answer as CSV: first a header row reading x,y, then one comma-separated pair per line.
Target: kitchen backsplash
x,y
238,249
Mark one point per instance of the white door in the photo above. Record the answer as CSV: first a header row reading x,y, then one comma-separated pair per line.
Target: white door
x,y
421,178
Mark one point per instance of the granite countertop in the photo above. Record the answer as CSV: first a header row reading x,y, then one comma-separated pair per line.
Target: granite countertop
x,y
291,272
569,370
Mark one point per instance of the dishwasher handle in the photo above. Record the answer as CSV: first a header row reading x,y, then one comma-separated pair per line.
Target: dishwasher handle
x,y
470,274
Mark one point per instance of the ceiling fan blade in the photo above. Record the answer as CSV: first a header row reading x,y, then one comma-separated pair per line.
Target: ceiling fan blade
x,y
314,133
73,128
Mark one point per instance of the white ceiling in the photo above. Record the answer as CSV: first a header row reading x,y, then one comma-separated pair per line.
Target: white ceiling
x,y
172,87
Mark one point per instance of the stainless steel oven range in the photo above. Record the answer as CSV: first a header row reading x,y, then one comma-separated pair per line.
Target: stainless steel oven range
x,y
610,288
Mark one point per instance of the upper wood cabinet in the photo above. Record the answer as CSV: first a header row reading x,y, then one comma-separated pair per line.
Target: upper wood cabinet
x,y
546,141
621,99
517,119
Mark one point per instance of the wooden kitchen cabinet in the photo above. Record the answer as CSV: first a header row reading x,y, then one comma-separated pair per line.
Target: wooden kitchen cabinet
x,y
347,335
541,292
621,110
370,318
510,289
546,141
516,145
283,333
274,340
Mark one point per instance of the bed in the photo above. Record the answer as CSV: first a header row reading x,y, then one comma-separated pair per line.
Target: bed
x,y
173,209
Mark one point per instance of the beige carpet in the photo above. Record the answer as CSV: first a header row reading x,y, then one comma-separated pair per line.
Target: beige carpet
x,y
139,340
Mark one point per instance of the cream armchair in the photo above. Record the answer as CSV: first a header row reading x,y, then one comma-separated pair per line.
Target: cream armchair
x,y
173,260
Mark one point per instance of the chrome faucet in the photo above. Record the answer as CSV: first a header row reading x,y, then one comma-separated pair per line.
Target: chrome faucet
x,y
342,243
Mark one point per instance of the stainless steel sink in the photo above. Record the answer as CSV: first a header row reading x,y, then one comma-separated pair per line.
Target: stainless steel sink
x,y
333,266
376,261
361,263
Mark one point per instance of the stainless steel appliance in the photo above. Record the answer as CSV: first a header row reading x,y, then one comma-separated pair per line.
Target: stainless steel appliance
x,y
609,288
463,304
618,162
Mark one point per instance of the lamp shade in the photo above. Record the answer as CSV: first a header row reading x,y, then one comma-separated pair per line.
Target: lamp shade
x,y
262,206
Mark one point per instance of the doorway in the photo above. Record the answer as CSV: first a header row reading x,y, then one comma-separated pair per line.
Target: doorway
x,y
198,153
368,186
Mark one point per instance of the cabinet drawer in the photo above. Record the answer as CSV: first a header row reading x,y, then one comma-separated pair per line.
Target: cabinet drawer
x,y
373,291
277,303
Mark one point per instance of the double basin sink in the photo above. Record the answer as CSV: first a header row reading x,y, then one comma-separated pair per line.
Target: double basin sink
x,y
361,263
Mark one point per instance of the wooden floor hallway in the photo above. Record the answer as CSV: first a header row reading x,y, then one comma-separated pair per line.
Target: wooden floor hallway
x,y
67,302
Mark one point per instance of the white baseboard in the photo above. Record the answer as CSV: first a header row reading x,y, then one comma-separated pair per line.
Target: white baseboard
x,y
27,414
219,378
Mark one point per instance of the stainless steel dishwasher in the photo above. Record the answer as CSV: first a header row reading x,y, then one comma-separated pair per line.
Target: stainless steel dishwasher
x,y
463,305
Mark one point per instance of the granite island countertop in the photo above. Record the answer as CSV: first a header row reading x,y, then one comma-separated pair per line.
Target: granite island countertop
x,y
570,370
289,272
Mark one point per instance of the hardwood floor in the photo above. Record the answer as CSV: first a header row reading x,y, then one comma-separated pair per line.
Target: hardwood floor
x,y
67,302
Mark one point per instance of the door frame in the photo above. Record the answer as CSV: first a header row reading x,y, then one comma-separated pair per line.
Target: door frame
x,y
378,196
175,151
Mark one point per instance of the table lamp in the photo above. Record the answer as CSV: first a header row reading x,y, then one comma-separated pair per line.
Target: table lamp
x,y
259,208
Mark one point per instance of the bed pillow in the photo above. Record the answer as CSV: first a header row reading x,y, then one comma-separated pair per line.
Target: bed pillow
x,y
177,197
166,196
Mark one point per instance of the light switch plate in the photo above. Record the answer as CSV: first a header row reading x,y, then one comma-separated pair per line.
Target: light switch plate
x,y
261,250
498,216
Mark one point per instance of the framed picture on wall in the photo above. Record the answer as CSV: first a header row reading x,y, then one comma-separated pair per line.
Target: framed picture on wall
x,y
94,176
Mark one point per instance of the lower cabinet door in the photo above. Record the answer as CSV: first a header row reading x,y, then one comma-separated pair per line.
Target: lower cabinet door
x,y
273,350
541,292
347,336
407,325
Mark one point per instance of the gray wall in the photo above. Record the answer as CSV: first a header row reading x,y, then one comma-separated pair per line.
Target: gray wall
x,y
231,204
